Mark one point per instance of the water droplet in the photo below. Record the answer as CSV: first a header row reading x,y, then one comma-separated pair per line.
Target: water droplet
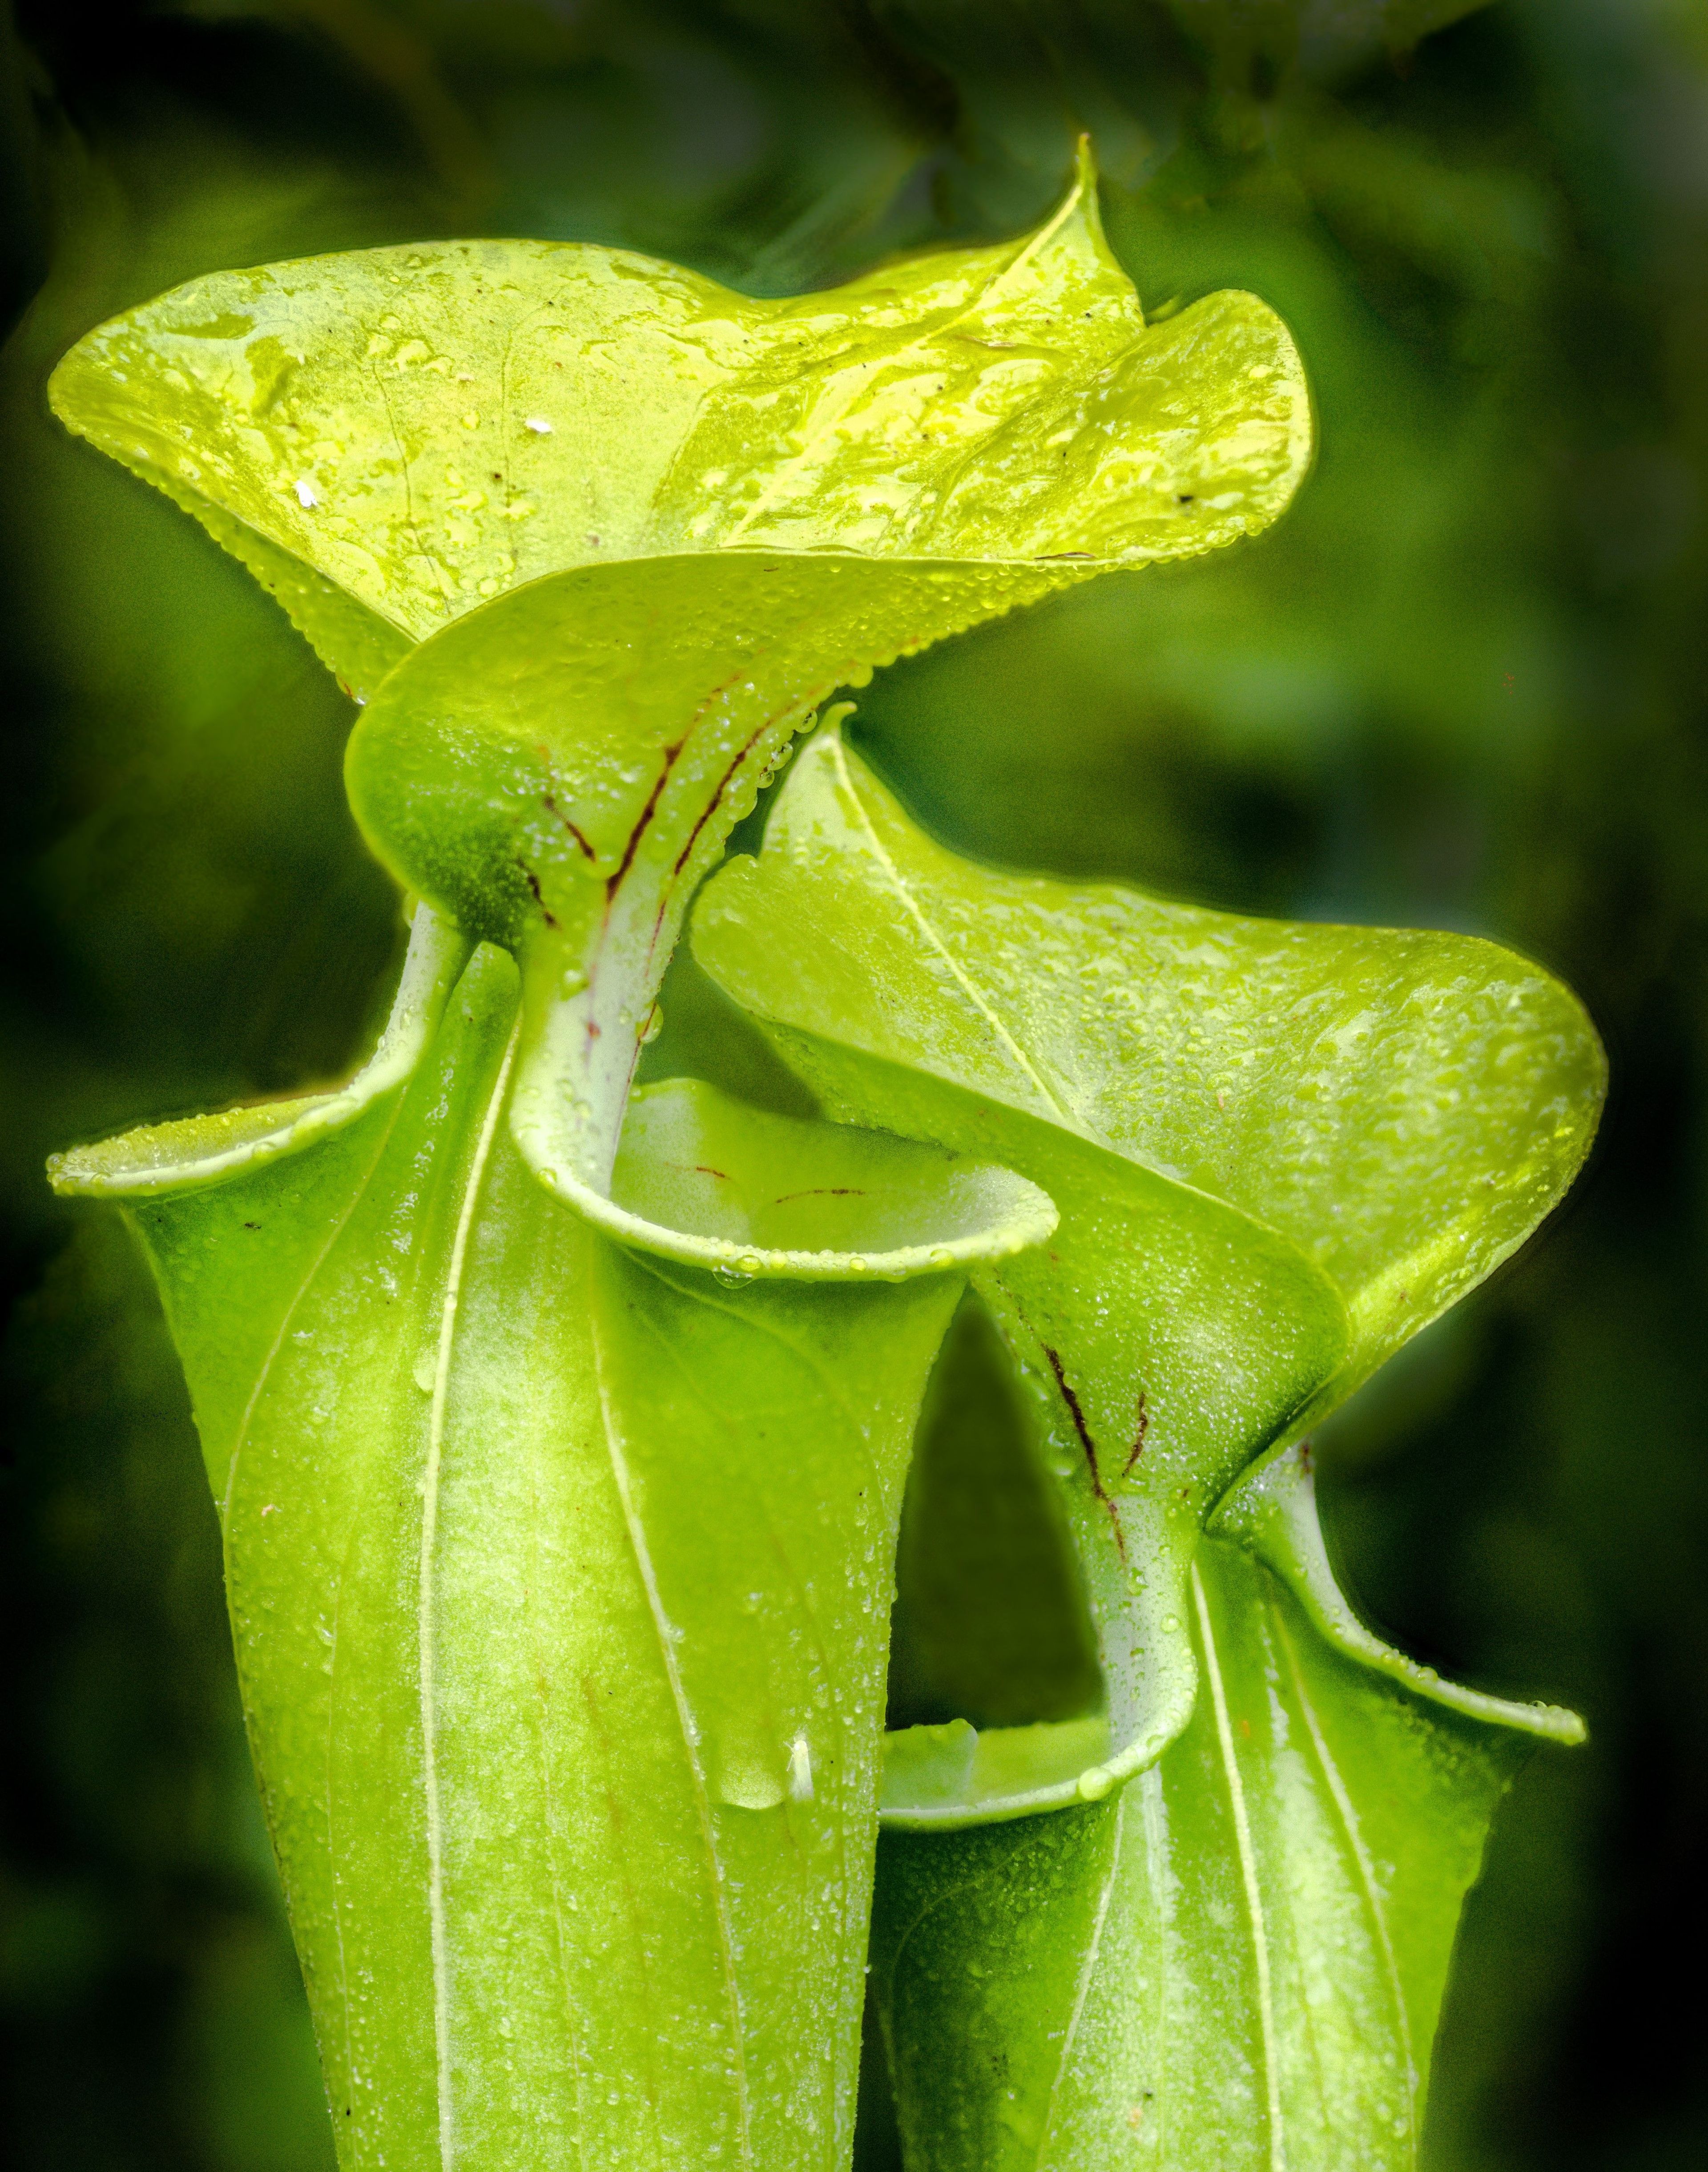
x,y
425,1371
307,495
652,1025
746,1783
1094,1784
857,1263
1171,1622
940,1256
731,1275
539,425
749,1264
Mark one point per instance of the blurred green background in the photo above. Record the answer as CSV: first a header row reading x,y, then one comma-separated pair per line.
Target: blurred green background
x,y
1465,683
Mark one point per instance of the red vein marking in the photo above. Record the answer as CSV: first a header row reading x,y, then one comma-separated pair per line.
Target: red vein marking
x,y
633,845
823,1191
551,807
670,756
533,884
703,1169
1090,1446
711,808
1139,1437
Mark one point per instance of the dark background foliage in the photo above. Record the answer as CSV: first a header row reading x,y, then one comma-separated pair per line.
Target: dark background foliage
x,y
1465,683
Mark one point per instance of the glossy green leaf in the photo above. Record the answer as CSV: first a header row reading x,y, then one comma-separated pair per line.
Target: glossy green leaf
x,y
560,1579
599,535
426,427
1237,1964
1277,1151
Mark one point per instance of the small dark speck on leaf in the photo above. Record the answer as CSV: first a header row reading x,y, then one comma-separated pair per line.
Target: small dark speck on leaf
x,y
1185,497
251,1225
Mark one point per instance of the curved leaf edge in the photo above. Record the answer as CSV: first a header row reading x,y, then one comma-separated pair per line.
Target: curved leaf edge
x,y
160,1158
157,1159
360,641
1272,1511
953,1776
851,776
1021,1215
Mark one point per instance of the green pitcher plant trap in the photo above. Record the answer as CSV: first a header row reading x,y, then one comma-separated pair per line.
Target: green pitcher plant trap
x,y
559,1424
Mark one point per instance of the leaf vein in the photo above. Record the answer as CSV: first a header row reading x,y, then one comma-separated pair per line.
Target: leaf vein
x,y
685,1720
1348,1815
428,1643
1082,1988
1248,1871
916,912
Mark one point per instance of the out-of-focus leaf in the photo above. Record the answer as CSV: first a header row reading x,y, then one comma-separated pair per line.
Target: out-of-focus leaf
x,y
1251,40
